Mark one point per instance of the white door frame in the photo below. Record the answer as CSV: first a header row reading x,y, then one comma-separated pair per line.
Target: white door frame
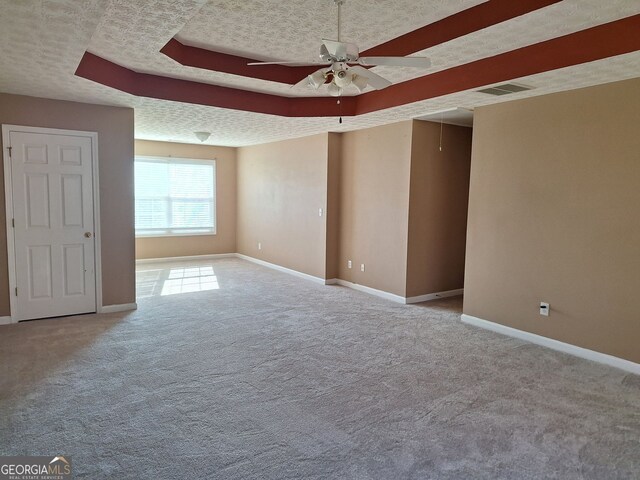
x,y
8,195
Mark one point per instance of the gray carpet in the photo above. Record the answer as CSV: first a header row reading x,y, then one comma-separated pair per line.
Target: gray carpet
x,y
269,376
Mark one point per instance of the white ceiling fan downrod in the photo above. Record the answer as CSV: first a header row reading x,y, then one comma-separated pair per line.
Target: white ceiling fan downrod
x,y
339,3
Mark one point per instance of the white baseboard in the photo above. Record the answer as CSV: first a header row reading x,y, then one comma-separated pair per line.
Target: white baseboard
x,y
281,269
212,256
124,307
610,360
306,276
434,296
5,320
371,291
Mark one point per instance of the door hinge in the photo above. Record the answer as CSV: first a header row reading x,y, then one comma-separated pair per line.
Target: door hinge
x,y
9,148
16,291
13,222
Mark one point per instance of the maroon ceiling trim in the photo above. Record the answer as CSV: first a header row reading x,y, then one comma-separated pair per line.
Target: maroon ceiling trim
x,y
457,25
110,74
223,62
607,40
603,41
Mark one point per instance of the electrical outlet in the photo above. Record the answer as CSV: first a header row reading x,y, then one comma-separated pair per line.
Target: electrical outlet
x,y
544,309
349,264
319,212
259,246
362,267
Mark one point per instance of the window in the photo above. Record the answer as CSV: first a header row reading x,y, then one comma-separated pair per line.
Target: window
x,y
175,196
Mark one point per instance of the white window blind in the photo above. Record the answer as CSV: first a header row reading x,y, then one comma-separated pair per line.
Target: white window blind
x,y
175,196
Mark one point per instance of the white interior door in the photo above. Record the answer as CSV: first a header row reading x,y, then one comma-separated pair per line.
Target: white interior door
x,y
54,241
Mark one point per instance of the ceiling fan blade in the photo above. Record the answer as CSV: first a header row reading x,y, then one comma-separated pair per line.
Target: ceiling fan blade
x,y
297,64
303,82
375,80
419,62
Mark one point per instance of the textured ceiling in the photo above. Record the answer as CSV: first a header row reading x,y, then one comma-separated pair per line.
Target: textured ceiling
x,y
292,30
44,40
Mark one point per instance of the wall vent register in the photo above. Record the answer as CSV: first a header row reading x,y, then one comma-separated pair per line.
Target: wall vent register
x,y
505,89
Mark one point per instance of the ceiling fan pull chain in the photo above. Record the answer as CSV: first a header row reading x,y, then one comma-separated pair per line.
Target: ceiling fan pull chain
x,y
339,110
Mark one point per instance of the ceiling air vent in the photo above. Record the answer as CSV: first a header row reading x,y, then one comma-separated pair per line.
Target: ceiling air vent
x,y
505,89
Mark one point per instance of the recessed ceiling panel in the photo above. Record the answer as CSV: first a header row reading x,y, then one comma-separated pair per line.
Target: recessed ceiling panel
x,y
43,43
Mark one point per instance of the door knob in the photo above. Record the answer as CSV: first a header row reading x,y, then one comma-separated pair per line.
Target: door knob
x,y
87,234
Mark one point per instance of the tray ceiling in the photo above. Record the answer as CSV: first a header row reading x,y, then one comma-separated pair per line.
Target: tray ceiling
x,y
44,41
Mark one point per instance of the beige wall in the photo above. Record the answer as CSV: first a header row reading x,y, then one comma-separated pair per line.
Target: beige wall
x,y
281,186
224,241
334,160
115,142
554,215
439,195
374,200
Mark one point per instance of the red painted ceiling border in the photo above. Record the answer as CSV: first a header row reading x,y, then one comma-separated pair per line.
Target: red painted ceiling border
x,y
603,41
457,25
224,62
595,43
112,75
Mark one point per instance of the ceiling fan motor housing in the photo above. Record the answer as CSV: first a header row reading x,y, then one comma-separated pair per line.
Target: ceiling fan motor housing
x,y
325,56
338,52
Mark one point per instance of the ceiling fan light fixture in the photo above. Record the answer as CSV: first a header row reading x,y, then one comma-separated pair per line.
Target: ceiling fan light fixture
x,y
359,82
334,90
202,136
342,78
316,79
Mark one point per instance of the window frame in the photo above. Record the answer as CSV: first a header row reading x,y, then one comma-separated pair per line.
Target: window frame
x,y
190,232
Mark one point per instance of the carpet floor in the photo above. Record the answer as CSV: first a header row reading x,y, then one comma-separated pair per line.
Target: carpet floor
x,y
229,370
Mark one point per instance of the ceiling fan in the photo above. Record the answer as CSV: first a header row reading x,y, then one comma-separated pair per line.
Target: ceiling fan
x,y
346,67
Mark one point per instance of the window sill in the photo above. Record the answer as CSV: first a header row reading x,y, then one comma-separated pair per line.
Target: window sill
x,y
166,235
